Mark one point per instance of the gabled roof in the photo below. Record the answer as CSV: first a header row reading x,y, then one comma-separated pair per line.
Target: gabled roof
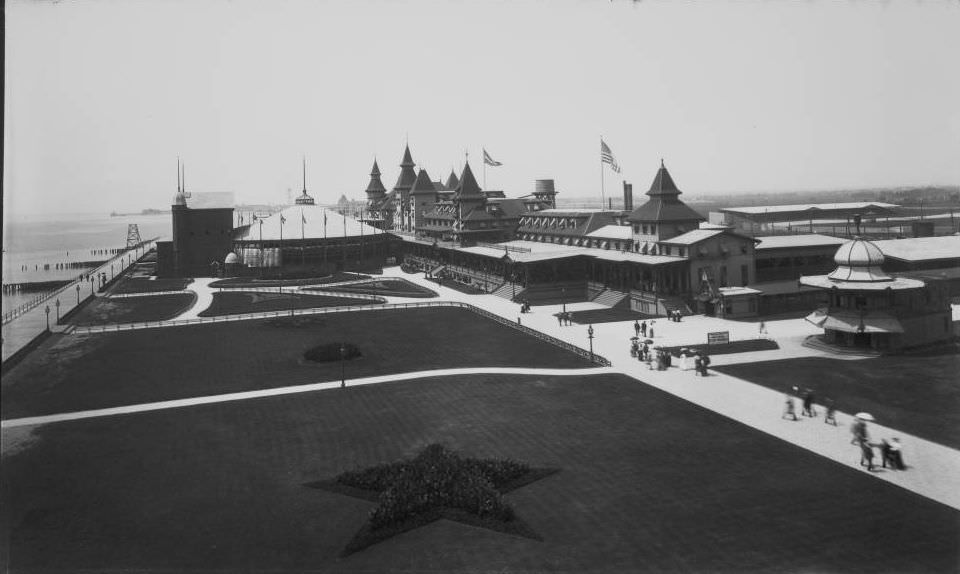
x,y
452,181
468,188
698,235
423,185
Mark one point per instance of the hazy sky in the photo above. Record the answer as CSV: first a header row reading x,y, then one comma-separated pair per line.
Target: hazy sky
x,y
102,95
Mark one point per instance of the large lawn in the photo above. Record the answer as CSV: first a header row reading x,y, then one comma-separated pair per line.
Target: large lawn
x,y
110,310
79,372
145,285
919,395
648,483
239,302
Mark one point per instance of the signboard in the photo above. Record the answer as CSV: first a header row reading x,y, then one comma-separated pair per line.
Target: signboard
x,y
718,338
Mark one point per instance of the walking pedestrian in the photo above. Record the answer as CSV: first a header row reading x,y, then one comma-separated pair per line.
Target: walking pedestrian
x,y
650,334
808,410
859,431
830,417
636,327
704,363
763,328
643,328
789,409
697,365
866,455
896,454
560,319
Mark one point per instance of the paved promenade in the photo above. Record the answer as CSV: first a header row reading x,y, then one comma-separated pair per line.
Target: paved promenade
x,y
934,469
23,329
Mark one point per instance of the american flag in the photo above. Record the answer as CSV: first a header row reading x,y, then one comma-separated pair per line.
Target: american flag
x,y
282,219
606,156
489,160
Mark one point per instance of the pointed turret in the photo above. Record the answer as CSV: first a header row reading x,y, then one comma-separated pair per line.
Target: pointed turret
x,y
468,188
664,206
407,174
375,189
423,185
452,181
663,183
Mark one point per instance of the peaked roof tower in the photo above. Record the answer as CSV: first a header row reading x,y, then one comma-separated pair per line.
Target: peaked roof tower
x,y
664,203
407,174
304,198
375,190
468,188
452,181
423,185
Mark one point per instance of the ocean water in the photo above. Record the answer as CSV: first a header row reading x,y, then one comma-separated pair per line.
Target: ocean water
x,y
32,241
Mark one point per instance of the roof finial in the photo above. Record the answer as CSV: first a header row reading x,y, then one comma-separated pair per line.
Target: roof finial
x,y
304,174
183,176
178,173
661,163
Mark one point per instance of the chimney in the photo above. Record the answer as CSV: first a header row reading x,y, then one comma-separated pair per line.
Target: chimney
x,y
627,196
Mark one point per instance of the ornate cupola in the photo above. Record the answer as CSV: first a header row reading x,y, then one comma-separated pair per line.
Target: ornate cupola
x,y
303,198
859,260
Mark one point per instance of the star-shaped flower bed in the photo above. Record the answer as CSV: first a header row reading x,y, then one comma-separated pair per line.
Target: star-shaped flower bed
x,y
437,483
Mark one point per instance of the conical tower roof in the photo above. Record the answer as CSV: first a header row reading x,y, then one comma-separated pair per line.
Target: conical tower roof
x,y
407,158
468,186
664,203
423,185
407,174
663,184
375,187
452,181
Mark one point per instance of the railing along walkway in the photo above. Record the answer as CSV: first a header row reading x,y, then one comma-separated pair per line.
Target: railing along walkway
x,y
593,357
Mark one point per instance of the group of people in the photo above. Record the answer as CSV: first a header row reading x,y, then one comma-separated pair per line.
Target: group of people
x,y
891,453
564,319
641,329
675,315
524,306
662,359
809,410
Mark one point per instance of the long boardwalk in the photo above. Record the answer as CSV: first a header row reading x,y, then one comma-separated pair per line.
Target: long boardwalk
x,y
24,328
934,469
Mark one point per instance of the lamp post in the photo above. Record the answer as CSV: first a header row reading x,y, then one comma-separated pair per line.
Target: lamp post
x,y
590,336
47,309
563,296
343,354
57,305
78,293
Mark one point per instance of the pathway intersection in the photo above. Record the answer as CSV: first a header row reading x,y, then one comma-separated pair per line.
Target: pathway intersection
x,y
934,469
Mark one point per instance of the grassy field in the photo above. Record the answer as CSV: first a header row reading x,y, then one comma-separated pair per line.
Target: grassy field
x,y
70,373
106,311
648,483
386,287
253,282
239,302
920,395
144,285
606,316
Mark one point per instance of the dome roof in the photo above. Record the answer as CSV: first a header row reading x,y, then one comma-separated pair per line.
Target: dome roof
x,y
231,258
859,260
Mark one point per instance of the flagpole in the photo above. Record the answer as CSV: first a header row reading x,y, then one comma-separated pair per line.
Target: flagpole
x,y
602,191
484,168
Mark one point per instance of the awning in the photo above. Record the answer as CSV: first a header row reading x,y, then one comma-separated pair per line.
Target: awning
x,y
874,322
817,317
436,270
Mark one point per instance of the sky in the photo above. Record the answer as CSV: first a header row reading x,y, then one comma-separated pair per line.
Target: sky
x,y
735,96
